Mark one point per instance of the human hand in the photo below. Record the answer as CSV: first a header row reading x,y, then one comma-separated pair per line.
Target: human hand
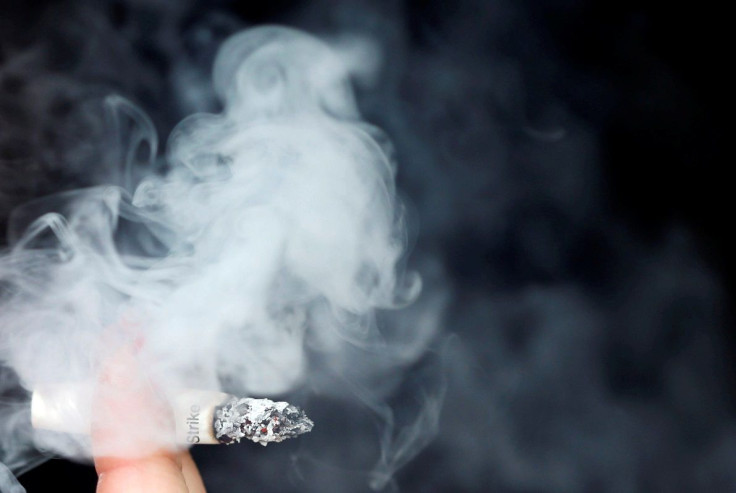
x,y
160,473
132,435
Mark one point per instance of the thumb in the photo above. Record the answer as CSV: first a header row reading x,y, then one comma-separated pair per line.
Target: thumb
x,y
132,432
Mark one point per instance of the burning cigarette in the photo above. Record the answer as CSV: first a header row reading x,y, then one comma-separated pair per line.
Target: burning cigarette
x,y
201,417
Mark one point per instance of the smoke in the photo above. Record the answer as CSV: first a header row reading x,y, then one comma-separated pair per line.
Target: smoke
x,y
7,481
565,339
276,227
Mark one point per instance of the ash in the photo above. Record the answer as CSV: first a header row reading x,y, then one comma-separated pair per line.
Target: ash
x,y
260,420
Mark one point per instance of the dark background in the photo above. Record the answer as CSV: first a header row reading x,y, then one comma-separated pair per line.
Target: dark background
x,y
564,163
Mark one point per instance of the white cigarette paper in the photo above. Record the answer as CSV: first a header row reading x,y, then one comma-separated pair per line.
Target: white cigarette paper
x,y
194,415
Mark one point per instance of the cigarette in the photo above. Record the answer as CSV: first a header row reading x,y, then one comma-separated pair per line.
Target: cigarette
x,y
201,417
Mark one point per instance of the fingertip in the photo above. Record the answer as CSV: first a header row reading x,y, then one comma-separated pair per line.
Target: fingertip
x,y
161,473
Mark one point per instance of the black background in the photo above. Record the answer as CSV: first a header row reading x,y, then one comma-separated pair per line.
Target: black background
x,y
645,81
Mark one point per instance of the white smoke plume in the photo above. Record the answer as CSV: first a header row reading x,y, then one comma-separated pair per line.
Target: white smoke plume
x,y
562,165
274,229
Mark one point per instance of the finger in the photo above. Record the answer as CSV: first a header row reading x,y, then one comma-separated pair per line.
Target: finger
x,y
160,473
191,474
132,435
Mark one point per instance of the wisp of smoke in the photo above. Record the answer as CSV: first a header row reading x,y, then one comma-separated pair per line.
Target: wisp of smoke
x,y
275,227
